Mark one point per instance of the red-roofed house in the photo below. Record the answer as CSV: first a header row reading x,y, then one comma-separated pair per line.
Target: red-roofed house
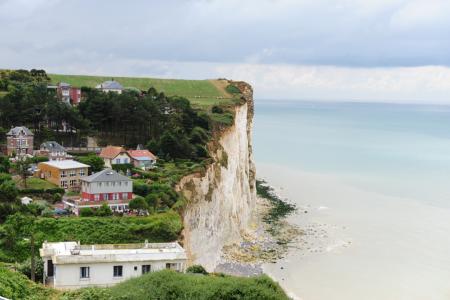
x,y
143,159
113,155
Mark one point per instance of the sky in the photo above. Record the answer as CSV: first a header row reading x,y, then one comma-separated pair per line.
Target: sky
x,y
350,50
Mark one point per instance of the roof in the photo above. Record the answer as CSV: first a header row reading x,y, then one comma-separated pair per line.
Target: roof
x,y
65,164
140,154
110,85
64,84
52,146
111,151
105,175
18,129
73,253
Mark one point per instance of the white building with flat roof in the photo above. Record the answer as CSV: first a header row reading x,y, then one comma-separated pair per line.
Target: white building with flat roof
x,y
69,265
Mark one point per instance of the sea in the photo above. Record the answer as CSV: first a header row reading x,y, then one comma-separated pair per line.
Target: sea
x,y
371,182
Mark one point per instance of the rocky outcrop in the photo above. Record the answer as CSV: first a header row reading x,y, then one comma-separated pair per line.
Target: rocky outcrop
x,y
221,201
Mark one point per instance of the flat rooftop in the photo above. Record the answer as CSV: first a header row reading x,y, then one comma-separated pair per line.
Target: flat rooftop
x,y
73,252
65,164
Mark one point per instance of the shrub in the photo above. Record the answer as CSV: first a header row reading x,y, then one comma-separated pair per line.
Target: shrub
x,y
217,109
232,89
103,211
4,177
197,269
86,212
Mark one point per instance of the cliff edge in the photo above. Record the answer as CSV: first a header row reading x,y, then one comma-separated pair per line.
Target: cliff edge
x,y
220,201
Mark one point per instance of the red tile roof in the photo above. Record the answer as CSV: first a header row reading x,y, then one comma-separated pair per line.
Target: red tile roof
x,y
141,153
111,151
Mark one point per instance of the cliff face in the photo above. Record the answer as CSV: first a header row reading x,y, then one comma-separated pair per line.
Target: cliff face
x,y
220,202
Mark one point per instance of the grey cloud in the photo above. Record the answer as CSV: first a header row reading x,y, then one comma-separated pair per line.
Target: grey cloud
x,y
343,33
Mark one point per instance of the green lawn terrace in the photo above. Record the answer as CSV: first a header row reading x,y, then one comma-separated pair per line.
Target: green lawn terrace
x,y
201,93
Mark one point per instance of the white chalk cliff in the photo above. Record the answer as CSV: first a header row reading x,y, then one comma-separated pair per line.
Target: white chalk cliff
x,y
221,200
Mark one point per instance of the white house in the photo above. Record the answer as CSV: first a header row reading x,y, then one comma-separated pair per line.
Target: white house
x,y
110,86
114,155
69,265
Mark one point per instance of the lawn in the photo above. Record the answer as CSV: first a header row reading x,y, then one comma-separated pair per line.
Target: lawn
x,y
200,92
35,183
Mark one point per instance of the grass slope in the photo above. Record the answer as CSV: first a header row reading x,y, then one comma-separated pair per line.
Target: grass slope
x,y
171,285
199,92
35,183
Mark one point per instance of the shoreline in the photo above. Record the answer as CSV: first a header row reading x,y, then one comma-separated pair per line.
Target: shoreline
x,y
263,243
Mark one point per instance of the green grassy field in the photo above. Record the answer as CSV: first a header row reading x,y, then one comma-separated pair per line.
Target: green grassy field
x,y
36,183
199,92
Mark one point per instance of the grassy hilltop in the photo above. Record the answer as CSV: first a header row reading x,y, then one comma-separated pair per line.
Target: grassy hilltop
x,y
199,92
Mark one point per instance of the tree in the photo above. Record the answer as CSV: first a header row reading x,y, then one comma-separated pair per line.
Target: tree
x,y
138,203
4,164
8,192
21,166
96,163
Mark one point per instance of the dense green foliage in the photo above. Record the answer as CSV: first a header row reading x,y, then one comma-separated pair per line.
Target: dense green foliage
x,y
14,285
10,77
96,163
162,227
197,269
171,285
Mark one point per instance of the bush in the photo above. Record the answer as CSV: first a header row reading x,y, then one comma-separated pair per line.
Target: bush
x,y
140,188
42,191
232,89
57,197
103,211
172,285
122,167
86,212
217,109
197,269
4,177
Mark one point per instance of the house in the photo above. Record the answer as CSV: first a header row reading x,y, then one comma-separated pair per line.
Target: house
x,y
143,159
110,86
106,186
113,155
53,151
69,265
64,173
68,94
19,141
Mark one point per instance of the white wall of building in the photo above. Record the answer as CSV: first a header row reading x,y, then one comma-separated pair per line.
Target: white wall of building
x,y
67,276
107,187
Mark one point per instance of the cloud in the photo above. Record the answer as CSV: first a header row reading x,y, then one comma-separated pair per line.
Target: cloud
x,y
358,49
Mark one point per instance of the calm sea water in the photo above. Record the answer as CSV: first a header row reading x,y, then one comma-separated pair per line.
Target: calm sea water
x,y
376,179
401,150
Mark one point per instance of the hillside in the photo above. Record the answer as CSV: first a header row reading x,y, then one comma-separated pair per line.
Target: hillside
x,y
199,92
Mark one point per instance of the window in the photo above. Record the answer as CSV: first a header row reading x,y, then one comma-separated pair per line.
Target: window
x,y
118,271
99,184
124,195
125,160
172,266
135,268
115,196
146,269
63,183
84,272
82,172
72,173
73,183
63,174
113,183
96,197
118,161
105,197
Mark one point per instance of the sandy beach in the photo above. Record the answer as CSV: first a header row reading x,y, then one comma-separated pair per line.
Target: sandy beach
x,y
359,244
